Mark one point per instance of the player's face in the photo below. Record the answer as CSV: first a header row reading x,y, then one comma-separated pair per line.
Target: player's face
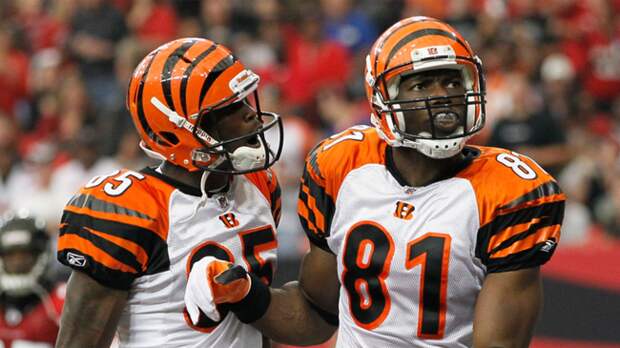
x,y
18,261
448,113
234,122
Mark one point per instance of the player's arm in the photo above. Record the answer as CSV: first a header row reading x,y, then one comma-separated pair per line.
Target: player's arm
x,y
304,312
300,313
90,314
507,308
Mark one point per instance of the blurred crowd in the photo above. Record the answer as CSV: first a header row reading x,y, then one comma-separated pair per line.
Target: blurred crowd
x,y
552,69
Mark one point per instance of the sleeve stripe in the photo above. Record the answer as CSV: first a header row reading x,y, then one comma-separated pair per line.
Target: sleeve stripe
x,y
319,219
150,241
302,209
94,204
113,250
537,202
72,241
121,219
547,189
132,247
544,234
507,236
553,211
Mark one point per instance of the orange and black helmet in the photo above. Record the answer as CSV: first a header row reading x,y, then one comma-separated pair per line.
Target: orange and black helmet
x,y
413,45
176,86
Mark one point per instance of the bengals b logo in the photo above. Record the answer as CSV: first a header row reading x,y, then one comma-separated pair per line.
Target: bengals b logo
x,y
404,210
229,220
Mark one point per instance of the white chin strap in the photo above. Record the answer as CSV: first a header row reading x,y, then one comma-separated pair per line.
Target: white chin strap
x,y
246,158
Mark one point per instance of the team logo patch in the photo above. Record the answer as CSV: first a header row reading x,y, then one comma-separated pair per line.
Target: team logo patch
x,y
76,260
404,210
229,220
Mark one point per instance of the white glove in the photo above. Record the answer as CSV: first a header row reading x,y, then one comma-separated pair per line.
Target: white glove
x,y
212,281
198,293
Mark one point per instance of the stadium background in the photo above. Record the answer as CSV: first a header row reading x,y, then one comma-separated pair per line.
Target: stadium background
x,y
553,76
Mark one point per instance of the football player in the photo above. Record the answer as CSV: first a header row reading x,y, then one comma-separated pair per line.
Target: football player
x,y
417,240
30,299
132,237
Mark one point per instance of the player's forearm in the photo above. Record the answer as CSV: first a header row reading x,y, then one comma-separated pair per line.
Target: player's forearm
x,y
507,309
90,313
79,327
290,319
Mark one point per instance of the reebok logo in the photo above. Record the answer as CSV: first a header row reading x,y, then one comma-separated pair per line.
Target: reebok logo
x,y
549,245
76,260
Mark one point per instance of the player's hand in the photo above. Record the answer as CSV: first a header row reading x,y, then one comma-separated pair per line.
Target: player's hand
x,y
211,282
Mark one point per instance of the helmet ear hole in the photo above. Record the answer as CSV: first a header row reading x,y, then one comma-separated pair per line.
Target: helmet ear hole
x,y
171,138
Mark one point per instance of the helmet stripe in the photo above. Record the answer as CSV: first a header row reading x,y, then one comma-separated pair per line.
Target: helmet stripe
x,y
188,72
143,123
166,74
385,40
421,33
219,68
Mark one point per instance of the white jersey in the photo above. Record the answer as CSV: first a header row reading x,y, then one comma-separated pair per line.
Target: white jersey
x,y
135,231
412,260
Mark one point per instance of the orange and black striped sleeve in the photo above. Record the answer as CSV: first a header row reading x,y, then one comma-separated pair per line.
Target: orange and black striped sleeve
x,y
267,182
115,238
326,168
520,219
315,206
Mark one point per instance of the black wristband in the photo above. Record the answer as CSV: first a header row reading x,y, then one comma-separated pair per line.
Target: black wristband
x,y
255,304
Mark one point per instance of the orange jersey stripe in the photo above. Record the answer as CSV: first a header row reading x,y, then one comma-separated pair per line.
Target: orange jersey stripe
x,y
128,245
540,236
311,204
72,241
497,239
121,218
302,210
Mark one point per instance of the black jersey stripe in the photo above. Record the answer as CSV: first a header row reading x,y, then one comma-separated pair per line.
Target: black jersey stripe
x,y
549,188
112,278
115,251
155,247
95,204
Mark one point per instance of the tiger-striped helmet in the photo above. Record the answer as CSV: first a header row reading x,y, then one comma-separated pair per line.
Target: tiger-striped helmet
x,y
413,45
176,86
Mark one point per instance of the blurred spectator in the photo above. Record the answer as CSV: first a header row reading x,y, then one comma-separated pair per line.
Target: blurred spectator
x,y
30,298
222,22
531,131
262,51
31,188
13,71
42,29
313,61
9,161
96,27
153,22
348,25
